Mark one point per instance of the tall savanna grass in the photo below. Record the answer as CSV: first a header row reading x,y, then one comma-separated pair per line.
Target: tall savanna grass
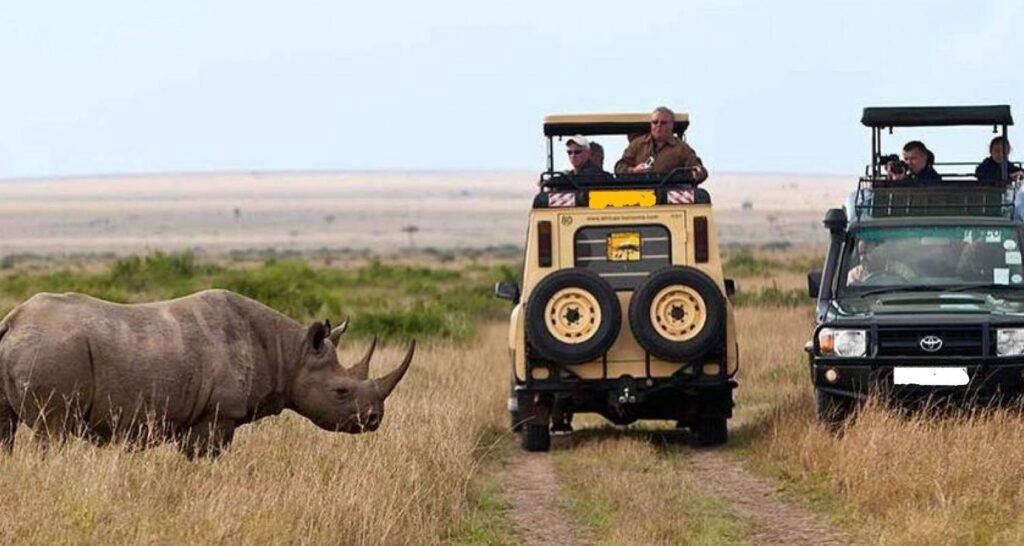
x,y
283,480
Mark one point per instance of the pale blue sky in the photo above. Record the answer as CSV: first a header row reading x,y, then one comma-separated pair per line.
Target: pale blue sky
x,y
114,87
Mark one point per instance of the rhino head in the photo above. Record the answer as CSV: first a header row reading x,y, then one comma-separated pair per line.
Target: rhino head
x,y
336,398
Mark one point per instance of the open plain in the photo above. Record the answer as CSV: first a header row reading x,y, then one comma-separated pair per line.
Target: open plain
x,y
372,210
444,468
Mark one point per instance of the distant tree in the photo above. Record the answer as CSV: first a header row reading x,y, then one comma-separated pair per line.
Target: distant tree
x,y
410,230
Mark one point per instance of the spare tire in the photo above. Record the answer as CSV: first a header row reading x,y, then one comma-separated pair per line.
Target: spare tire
x,y
572,316
678,313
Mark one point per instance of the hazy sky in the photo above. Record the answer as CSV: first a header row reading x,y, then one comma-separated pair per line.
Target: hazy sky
x,y
111,87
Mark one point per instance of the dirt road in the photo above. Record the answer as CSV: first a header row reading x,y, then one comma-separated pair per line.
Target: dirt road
x,y
775,521
533,488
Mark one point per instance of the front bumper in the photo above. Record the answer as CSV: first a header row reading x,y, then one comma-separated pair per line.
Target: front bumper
x,y
989,378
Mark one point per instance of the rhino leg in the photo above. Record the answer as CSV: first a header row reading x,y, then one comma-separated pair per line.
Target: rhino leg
x,y
8,426
207,438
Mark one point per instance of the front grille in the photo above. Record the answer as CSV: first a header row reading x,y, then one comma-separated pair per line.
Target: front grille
x,y
956,341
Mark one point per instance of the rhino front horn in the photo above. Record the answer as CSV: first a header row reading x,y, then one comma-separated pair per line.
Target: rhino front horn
x,y
387,383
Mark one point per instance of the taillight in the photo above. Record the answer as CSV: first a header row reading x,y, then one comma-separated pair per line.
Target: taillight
x,y
544,244
700,239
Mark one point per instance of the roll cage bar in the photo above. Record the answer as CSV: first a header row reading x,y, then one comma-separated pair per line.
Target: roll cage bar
x,y
608,124
879,118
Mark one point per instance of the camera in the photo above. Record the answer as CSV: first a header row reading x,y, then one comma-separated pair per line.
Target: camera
x,y
895,163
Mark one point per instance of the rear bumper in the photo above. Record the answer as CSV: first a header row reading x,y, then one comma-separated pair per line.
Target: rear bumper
x,y
989,378
626,399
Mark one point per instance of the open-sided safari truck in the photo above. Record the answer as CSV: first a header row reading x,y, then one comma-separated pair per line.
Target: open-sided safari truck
x,y
922,291
623,309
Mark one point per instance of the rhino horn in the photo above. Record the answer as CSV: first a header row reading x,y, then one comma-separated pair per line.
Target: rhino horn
x,y
361,369
335,336
387,383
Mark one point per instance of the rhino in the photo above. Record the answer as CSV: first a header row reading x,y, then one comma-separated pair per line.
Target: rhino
x,y
189,370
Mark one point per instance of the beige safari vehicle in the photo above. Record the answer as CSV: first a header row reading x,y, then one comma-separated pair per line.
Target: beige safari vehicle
x,y
624,310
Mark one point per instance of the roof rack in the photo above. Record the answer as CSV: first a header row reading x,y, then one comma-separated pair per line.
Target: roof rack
x,y
881,198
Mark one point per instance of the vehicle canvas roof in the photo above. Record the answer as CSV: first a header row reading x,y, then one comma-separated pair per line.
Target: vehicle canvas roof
x,y
606,124
936,116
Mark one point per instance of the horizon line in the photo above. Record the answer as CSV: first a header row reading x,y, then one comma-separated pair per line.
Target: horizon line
x,y
264,172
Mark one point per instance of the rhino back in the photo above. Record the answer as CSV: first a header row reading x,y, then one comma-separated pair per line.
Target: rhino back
x,y
179,359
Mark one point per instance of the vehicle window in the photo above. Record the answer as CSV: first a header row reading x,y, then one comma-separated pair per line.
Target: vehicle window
x,y
941,256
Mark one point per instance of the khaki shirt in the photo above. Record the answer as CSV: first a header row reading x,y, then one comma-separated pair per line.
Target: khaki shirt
x,y
670,155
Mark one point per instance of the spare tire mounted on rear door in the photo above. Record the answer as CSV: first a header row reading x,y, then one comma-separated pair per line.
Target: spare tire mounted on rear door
x,y
572,316
677,314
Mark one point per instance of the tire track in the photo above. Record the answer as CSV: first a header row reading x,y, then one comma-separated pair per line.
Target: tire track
x,y
775,520
532,489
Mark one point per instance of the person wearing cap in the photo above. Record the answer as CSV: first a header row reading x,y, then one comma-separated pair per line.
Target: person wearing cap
x,y
660,151
578,148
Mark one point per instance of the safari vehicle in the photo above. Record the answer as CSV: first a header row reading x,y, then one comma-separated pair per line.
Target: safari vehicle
x,y
922,292
623,310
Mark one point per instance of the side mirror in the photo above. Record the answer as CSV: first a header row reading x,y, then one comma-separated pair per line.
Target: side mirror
x,y
814,283
730,287
507,291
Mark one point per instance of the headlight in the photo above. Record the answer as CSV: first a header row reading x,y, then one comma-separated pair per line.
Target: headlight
x,y
851,343
1009,341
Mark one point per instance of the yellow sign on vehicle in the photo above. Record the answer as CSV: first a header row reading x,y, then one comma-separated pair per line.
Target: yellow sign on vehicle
x,y
624,247
628,198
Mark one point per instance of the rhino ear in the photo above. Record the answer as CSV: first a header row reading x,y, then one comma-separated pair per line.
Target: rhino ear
x,y
316,334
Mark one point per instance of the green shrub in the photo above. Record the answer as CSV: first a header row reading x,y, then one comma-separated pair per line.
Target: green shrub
x,y
390,301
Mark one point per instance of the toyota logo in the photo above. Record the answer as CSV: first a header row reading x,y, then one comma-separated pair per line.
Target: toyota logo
x,y
931,344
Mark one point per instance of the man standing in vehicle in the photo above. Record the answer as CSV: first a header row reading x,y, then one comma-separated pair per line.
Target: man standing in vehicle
x,y
578,148
919,160
660,151
992,167
597,155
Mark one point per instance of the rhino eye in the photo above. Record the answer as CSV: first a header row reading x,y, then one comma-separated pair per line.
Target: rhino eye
x,y
341,392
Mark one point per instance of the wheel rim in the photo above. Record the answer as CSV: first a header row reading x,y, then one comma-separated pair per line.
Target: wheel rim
x,y
678,313
572,315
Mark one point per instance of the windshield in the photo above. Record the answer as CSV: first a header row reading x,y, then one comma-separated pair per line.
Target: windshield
x,y
923,257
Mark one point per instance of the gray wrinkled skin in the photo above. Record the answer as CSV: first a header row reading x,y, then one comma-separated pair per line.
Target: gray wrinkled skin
x,y
191,370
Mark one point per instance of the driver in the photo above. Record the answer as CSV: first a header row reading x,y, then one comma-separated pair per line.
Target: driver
x,y
660,151
872,264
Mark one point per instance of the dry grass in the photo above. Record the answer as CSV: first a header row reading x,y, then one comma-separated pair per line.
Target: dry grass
x,y
923,479
636,487
284,480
